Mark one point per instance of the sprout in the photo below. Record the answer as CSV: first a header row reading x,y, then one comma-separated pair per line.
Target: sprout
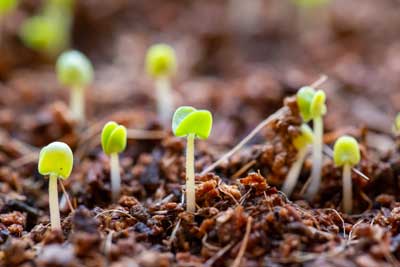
x,y
396,125
301,143
56,161
346,154
191,123
6,6
311,3
161,65
113,141
312,106
75,70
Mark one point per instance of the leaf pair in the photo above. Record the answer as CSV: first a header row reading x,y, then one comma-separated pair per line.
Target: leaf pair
x,y
113,138
160,61
74,69
188,120
56,159
311,103
346,151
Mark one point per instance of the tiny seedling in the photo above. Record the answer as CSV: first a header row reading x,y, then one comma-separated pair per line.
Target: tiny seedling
x,y
191,123
75,70
312,107
161,65
346,154
396,125
113,141
56,161
301,143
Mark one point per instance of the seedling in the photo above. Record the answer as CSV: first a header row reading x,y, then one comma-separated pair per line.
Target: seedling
x,y
56,161
346,154
396,125
191,123
161,65
75,70
113,141
311,3
312,107
301,143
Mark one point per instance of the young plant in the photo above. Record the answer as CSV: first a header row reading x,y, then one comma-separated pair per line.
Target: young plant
x,y
75,70
312,107
113,141
56,161
191,123
301,143
346,154
396,125
161,65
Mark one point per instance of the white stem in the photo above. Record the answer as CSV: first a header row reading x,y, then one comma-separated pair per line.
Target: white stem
x,y
293,174
347,189
115,177
53,203
190,185
316,159
77,104
165,103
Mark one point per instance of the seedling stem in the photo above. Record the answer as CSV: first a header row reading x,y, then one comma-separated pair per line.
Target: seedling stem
x,y
53,203
77,104
317,158
165,103
190,185
347,189
115,176
292,177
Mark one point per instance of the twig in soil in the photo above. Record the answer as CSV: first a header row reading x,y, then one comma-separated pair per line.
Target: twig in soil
x,y
107,244
173,234
114,210
258,128
341,219
243,246
367,199
221,187
244,169
66,196
218,255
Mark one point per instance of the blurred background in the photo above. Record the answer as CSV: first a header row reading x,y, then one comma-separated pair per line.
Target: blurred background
x,y
238,58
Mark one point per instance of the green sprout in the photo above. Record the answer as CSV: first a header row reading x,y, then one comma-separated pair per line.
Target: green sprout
x,y
113,141
191,123
75,70
161,65
7,6
311,3
396,125
312,107
346,154
56,161
301,143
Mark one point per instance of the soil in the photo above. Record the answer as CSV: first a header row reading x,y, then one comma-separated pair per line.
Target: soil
x,y
243,62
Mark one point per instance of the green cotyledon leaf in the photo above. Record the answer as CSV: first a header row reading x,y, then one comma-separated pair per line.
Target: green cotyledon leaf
x,y
113,138
188,120
56,159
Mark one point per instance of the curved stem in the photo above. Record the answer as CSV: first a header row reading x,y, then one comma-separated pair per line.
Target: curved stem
x,y
77,104
190,185
115,177
316,159
347,189
53,203
293,174
165,103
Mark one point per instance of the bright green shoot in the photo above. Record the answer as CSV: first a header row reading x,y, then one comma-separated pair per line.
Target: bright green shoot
x,y
311,3
302,143
191,123
113,141
7,6
161,66
75,70
346,154
56,161
312,107
396,125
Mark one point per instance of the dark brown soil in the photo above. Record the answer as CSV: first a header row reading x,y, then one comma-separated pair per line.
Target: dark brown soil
x,y
243,75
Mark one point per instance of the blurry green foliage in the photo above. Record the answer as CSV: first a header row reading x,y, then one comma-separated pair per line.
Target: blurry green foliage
x,y
6,6
311,3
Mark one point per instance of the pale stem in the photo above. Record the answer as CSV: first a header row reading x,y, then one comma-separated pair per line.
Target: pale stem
x,y
347,189
77,104
294,172
115,177
53,203
316,159
190,185
165,103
